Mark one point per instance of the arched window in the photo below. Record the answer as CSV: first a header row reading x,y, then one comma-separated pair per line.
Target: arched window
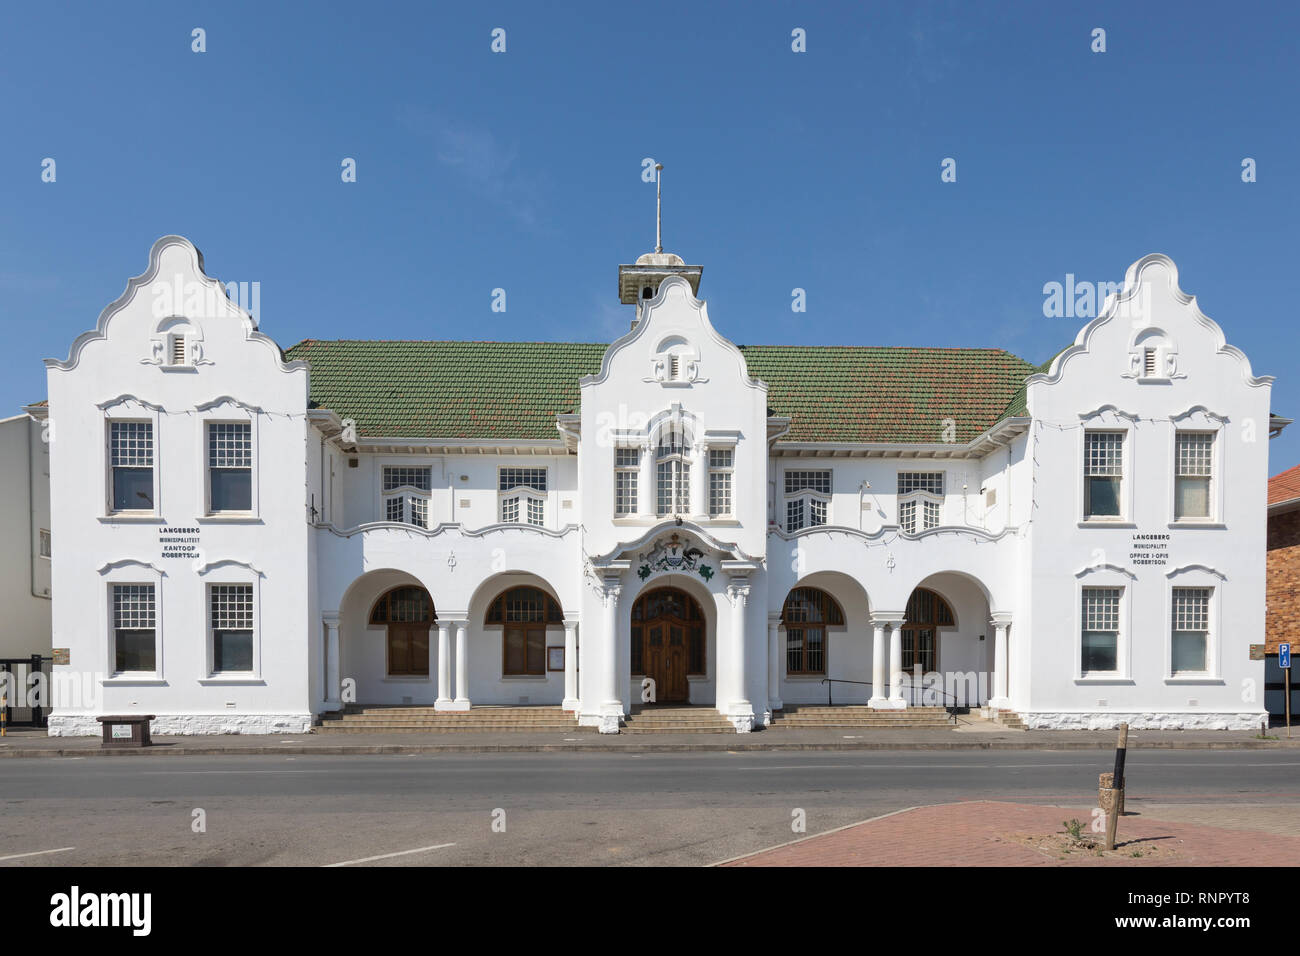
x,y
673,472
926,613
523,614
807,613
406,613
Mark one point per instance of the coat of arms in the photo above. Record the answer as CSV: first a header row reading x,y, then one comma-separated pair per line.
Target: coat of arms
x,y
674,555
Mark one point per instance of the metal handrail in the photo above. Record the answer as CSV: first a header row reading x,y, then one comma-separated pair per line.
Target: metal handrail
x,y
828,681
951,709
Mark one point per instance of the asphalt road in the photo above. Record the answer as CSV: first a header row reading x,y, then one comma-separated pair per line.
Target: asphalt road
x,y
558,809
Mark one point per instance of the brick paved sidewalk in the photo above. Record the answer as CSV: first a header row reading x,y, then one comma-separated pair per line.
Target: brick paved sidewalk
x,y
984,833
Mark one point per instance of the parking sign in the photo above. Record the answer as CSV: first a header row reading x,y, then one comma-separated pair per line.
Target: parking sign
x,y
1284,655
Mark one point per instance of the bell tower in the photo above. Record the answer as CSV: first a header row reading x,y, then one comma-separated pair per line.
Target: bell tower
x,y
640,281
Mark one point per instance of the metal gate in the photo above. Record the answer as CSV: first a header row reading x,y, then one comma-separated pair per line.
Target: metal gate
x,y
26,683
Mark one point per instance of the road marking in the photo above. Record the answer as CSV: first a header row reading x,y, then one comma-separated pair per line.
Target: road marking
x,y
19,856
389,856
847,826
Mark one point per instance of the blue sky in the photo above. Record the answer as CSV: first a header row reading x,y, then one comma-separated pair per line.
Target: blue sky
x,y
522,170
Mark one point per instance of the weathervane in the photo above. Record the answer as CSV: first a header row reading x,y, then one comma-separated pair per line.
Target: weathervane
x,y
659,208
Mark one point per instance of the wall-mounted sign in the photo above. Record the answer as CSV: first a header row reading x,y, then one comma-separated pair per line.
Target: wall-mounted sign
x,y
62,655
1149,549
1257,652
179,542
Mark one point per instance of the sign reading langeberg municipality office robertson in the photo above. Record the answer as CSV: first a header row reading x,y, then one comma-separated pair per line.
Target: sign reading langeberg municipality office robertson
x,y
1149,549
179,542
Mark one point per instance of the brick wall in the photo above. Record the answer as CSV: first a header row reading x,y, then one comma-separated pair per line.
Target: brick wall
x,y
1282,622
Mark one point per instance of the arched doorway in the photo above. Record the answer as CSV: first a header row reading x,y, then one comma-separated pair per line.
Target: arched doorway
x,y
926,613
406,613
668,642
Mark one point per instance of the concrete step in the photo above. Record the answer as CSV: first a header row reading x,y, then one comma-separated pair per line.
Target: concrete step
x,y
352,710
422,729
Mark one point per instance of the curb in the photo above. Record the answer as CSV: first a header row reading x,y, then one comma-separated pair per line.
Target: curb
x,y
363,749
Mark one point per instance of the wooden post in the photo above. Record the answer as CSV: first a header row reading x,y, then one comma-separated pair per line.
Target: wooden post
x,y
1113,798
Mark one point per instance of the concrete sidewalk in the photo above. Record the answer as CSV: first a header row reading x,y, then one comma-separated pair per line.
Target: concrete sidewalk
x,y
988,833
32,743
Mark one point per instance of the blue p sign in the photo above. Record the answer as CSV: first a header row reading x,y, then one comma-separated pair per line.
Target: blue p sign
x,y
1284,655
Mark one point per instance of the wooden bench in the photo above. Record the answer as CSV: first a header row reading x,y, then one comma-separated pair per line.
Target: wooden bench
x,y
126,730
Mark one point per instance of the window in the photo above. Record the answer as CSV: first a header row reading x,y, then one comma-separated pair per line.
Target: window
x,y
673,473
230,466
1100,638
918,513
134,610
806,615
721,463
177,352
930,482
1190,639
523,614
627,466
807,498
231,616
406,494
526,487
1149,362
407,613
1103,470
926,612
131,459
1194,464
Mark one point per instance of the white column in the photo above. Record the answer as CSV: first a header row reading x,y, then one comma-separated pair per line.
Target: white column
x,y
699,479
741,711
879,648
1000,696
570,665
462,666
896,664
333,671
647,504
611,705
774,662
444,667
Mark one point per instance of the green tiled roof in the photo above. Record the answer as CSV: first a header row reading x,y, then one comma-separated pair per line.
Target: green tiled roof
x,y
1018,406
514,390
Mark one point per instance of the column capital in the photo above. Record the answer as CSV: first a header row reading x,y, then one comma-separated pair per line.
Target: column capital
x,y
331,618
999,618
887,618
774,618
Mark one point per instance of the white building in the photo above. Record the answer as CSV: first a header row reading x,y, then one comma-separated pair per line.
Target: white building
x,y
263,536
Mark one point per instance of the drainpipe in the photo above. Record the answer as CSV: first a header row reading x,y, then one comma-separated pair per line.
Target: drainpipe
x,y
32,524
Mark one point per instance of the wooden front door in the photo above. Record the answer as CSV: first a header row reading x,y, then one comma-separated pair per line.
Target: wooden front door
x,y
665,661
